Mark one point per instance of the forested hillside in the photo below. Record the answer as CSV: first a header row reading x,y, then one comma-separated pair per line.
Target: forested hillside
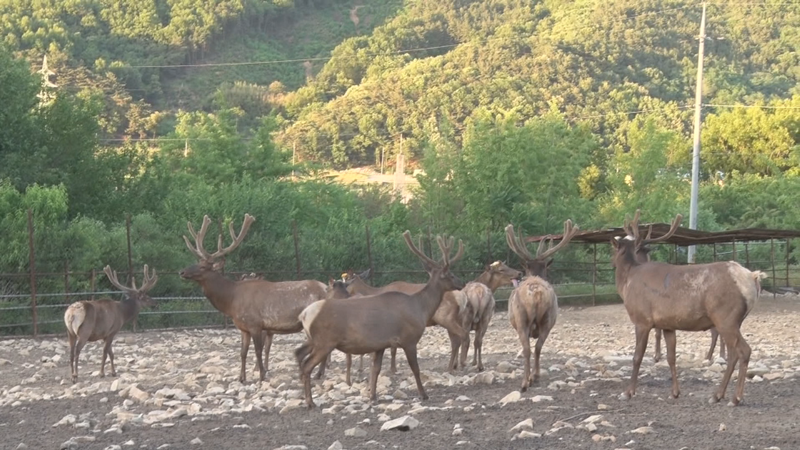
x,y
528,112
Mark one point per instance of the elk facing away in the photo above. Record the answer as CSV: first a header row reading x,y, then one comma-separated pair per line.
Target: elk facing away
x,y
258,308
479,297
687,298
533,305
371,324
449,315
92,320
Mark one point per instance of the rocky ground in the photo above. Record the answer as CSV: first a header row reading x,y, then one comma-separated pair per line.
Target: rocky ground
x,y
179,390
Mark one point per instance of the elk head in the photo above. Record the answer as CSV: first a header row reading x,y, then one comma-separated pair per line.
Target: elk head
x,y
211,262
633,247
440,270
500,271
138,295
537,265
350,276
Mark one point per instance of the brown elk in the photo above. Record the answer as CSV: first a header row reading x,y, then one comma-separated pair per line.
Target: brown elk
x,y
92,320
687,298
533,305
449,315
337,289
258,308
479,297
372,324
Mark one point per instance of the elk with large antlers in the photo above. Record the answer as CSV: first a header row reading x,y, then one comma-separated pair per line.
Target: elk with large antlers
x,y
372,324
533,305
479,297
687,298
258,308
449,315
92,320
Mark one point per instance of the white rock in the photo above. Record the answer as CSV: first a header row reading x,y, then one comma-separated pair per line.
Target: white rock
x,y
513,397
113,447
404,423
69,419
130,443
525,434
593,419
505,367
541,398
722,427
355,432
643,430
336,446
526,424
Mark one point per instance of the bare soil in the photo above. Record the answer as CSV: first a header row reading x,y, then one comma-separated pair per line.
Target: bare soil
x,y
579,348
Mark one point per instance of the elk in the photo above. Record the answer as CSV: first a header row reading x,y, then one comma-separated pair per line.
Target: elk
x,y
371,324
92,320
479,297
686,298
258,308
449,315
337,290
533,305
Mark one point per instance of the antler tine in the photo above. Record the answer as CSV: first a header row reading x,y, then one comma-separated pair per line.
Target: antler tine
x,y
417,251
516,243
248,220
149,280
112,277
569,232
459,253
445,248
675,224
198,237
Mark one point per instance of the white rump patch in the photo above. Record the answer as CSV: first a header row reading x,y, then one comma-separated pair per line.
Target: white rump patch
x,y
749,283
308,315
74,317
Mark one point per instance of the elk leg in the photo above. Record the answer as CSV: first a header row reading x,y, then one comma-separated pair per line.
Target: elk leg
x,y
377,362
267,346
738,351
710,354
465,351
657,356
258,343
722,348
78,348
103,360
538,352
455,343
642,333
73,365
322,366
477,356
347,375
671,341
393,352
526,357
243,353
110,352
411,356
308,365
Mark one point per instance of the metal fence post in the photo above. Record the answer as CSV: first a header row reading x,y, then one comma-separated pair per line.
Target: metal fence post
x,y
594,274
93,282
369,251
32,255
296,248
130,257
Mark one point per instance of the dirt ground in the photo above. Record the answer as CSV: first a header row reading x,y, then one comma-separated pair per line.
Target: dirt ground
x,y
587,359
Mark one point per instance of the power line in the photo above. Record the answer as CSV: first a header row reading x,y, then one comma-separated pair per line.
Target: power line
x,y
713,105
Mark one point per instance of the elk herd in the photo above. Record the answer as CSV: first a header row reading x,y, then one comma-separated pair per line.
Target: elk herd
x,y
355,318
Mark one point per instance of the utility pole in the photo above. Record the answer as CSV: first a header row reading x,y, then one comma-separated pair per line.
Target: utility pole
x,y
698,105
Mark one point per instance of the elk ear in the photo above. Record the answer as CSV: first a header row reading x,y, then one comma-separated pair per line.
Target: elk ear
x,y
330,282
615,242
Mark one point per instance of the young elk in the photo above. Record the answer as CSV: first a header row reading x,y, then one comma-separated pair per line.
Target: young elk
x,y
687,298
479,297
258,308
449,315
92,320
533,305
372,324
338,290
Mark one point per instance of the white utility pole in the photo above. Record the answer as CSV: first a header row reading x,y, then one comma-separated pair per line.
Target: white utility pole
x,y
698,105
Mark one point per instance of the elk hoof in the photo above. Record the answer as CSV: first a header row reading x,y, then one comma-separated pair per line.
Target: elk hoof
x,y
102,375
735,401
74,379
424,396
625,396
524,387
113,374
311,405
480,368
714,399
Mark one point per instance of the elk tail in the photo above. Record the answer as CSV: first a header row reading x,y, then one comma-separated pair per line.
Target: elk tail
x,y
74,317
757,277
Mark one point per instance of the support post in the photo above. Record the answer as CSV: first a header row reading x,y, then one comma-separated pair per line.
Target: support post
x,y
296,248
788,240
594,274
747,254
130,258
698,105
369,251
734,250
772,263
32,267
93,282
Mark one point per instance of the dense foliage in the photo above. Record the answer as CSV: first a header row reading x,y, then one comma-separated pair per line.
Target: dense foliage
x,y
524,112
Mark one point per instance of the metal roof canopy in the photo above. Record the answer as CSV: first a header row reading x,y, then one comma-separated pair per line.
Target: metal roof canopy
x,y
683,236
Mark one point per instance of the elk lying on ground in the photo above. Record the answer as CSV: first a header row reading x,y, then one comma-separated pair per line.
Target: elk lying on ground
x,y
449,315
533,305
479,297
92,320
687,298
258,308
372,324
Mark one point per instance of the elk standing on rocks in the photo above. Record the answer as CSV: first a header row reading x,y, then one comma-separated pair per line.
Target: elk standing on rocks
x,y
372,324
258,308
449,315
533,305
687,298
92,320
479,297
